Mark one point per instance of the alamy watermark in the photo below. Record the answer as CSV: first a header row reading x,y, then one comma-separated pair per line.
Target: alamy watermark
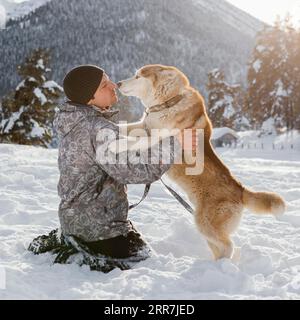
x,y
156,147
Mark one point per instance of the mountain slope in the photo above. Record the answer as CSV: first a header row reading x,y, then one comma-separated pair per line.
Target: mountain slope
x,y
194,36
230,14
16,10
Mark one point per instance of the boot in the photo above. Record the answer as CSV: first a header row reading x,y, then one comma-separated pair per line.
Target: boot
x,y
46,243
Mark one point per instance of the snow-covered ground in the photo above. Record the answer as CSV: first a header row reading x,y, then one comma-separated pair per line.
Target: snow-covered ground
x,y
266,263
285,141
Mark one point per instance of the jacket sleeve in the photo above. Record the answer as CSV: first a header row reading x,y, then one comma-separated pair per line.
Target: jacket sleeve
x,y
131,167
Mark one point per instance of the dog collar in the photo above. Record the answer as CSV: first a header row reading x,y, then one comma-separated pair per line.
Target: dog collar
x,y
166,105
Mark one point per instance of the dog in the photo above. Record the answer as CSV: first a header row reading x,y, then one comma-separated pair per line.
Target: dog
x,y
218,198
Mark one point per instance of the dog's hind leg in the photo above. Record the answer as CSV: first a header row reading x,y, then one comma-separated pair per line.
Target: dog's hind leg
x,y
211,235
221,248
215,250
216,223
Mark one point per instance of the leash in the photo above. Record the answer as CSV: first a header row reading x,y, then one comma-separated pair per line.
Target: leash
x,y
179,199
146,192
174,194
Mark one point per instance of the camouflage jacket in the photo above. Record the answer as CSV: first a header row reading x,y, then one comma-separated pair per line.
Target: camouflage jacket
x,y
94,203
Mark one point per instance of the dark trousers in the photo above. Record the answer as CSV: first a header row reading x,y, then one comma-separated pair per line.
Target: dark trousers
x,y
120,247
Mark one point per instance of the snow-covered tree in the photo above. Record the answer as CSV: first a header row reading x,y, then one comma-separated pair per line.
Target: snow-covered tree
x,y
26,116
297,121
273,76
224,102
241,121
294,75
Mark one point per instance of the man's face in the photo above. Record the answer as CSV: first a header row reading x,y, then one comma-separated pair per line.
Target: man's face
x,y
106,95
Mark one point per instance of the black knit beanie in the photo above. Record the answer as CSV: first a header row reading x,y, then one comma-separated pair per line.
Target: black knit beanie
x,y
81,83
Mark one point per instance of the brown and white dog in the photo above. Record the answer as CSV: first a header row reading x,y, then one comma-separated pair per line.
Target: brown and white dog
x,y
218,198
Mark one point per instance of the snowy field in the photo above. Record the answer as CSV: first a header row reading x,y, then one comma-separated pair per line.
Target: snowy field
x,y
266,264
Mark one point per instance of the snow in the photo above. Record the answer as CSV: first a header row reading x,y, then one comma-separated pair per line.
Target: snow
x,y
39,94
2,16
225,103
243,122
280,92
220,132
216,73
22,83
9,123
257,65
234,16
260,48
36,131
266,264
40,64
268,127
270,140
52,85
229,110
15,10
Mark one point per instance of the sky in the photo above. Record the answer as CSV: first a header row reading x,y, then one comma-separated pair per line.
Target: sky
x,y
266,10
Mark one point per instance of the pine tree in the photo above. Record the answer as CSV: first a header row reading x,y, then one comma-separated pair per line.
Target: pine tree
x,y
26,116
260,77
224,102
293,77
287,86
272,76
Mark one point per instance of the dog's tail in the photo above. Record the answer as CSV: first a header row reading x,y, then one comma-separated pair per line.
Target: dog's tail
x,y
257,202
263,202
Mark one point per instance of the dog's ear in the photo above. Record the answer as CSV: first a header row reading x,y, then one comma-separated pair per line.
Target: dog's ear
x,y
169,73
145,72
149,70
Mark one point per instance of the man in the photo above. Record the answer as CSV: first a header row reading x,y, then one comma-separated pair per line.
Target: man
x,y
94,203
